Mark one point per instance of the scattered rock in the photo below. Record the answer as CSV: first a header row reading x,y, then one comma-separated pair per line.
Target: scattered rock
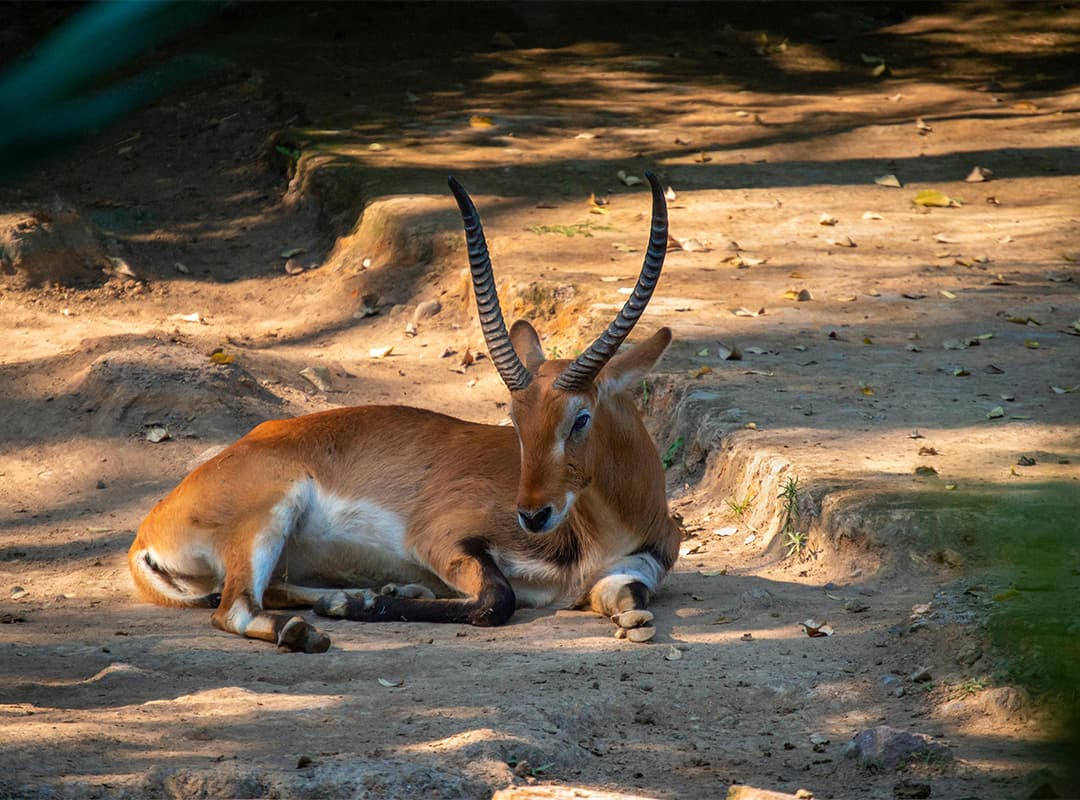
x,y
911,789
921,675
18,592
427,309
319,377
969,654
889,748
293,267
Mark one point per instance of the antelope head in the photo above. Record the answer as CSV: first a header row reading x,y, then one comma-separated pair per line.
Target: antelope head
x,y
576,422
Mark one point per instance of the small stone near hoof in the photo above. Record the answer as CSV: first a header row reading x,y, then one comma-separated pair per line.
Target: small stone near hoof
x,y
620,633
640,634
633,619
332,605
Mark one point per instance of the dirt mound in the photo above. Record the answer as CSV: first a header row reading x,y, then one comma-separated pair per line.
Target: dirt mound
x,y
51,246
159,382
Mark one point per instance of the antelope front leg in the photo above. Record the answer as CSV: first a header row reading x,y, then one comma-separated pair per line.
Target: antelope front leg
x,y
623,595
470,569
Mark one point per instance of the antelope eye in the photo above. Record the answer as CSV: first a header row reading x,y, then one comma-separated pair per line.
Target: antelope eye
x,y
581,422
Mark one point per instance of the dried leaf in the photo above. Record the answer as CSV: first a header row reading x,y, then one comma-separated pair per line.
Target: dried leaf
x,y
922,127
597,206
669,194
480,121
928,451
629,180
814,629
195,317
723,619
934,198
702,370
389,684
1017,320
827,219
846,298
978,175
219,356
871,215
742,260
1031,344
866,389
380,352
997,412
292,252
946,294
691,246
293,267
712,573
745,312
867,340
158,433
467,359
888,180
673,653
1025,105
1064,389
801,295
728,353
846,241
925,470
729,531
1000,280
960,372
702,158
747,637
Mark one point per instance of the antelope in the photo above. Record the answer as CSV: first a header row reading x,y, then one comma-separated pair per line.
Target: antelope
x,y
457,522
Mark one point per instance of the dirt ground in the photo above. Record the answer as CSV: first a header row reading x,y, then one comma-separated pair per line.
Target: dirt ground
x,y
291,212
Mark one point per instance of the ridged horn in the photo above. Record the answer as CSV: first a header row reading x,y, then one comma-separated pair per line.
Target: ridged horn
x,y
585,367
502,353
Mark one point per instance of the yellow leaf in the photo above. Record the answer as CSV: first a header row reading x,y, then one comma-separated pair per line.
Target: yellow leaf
x,y
867,340
932,197
220,357
480,121
595,207
1031,344
703,370
866,389
947,294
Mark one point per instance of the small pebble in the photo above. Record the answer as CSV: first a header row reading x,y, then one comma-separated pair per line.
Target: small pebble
x,y
921,675
640,634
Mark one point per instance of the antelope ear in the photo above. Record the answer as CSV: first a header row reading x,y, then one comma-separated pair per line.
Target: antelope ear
x,y
527,345
628,368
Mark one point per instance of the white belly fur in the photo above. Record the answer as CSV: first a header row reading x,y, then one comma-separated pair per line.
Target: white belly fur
x,y
337,541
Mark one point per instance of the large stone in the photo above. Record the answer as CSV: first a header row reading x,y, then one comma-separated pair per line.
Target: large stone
x,y
890,748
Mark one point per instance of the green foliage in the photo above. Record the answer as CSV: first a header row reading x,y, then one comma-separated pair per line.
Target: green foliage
x,y
795,539
672,451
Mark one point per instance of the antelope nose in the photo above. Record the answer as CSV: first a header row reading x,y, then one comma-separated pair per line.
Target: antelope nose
x,y
534,520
